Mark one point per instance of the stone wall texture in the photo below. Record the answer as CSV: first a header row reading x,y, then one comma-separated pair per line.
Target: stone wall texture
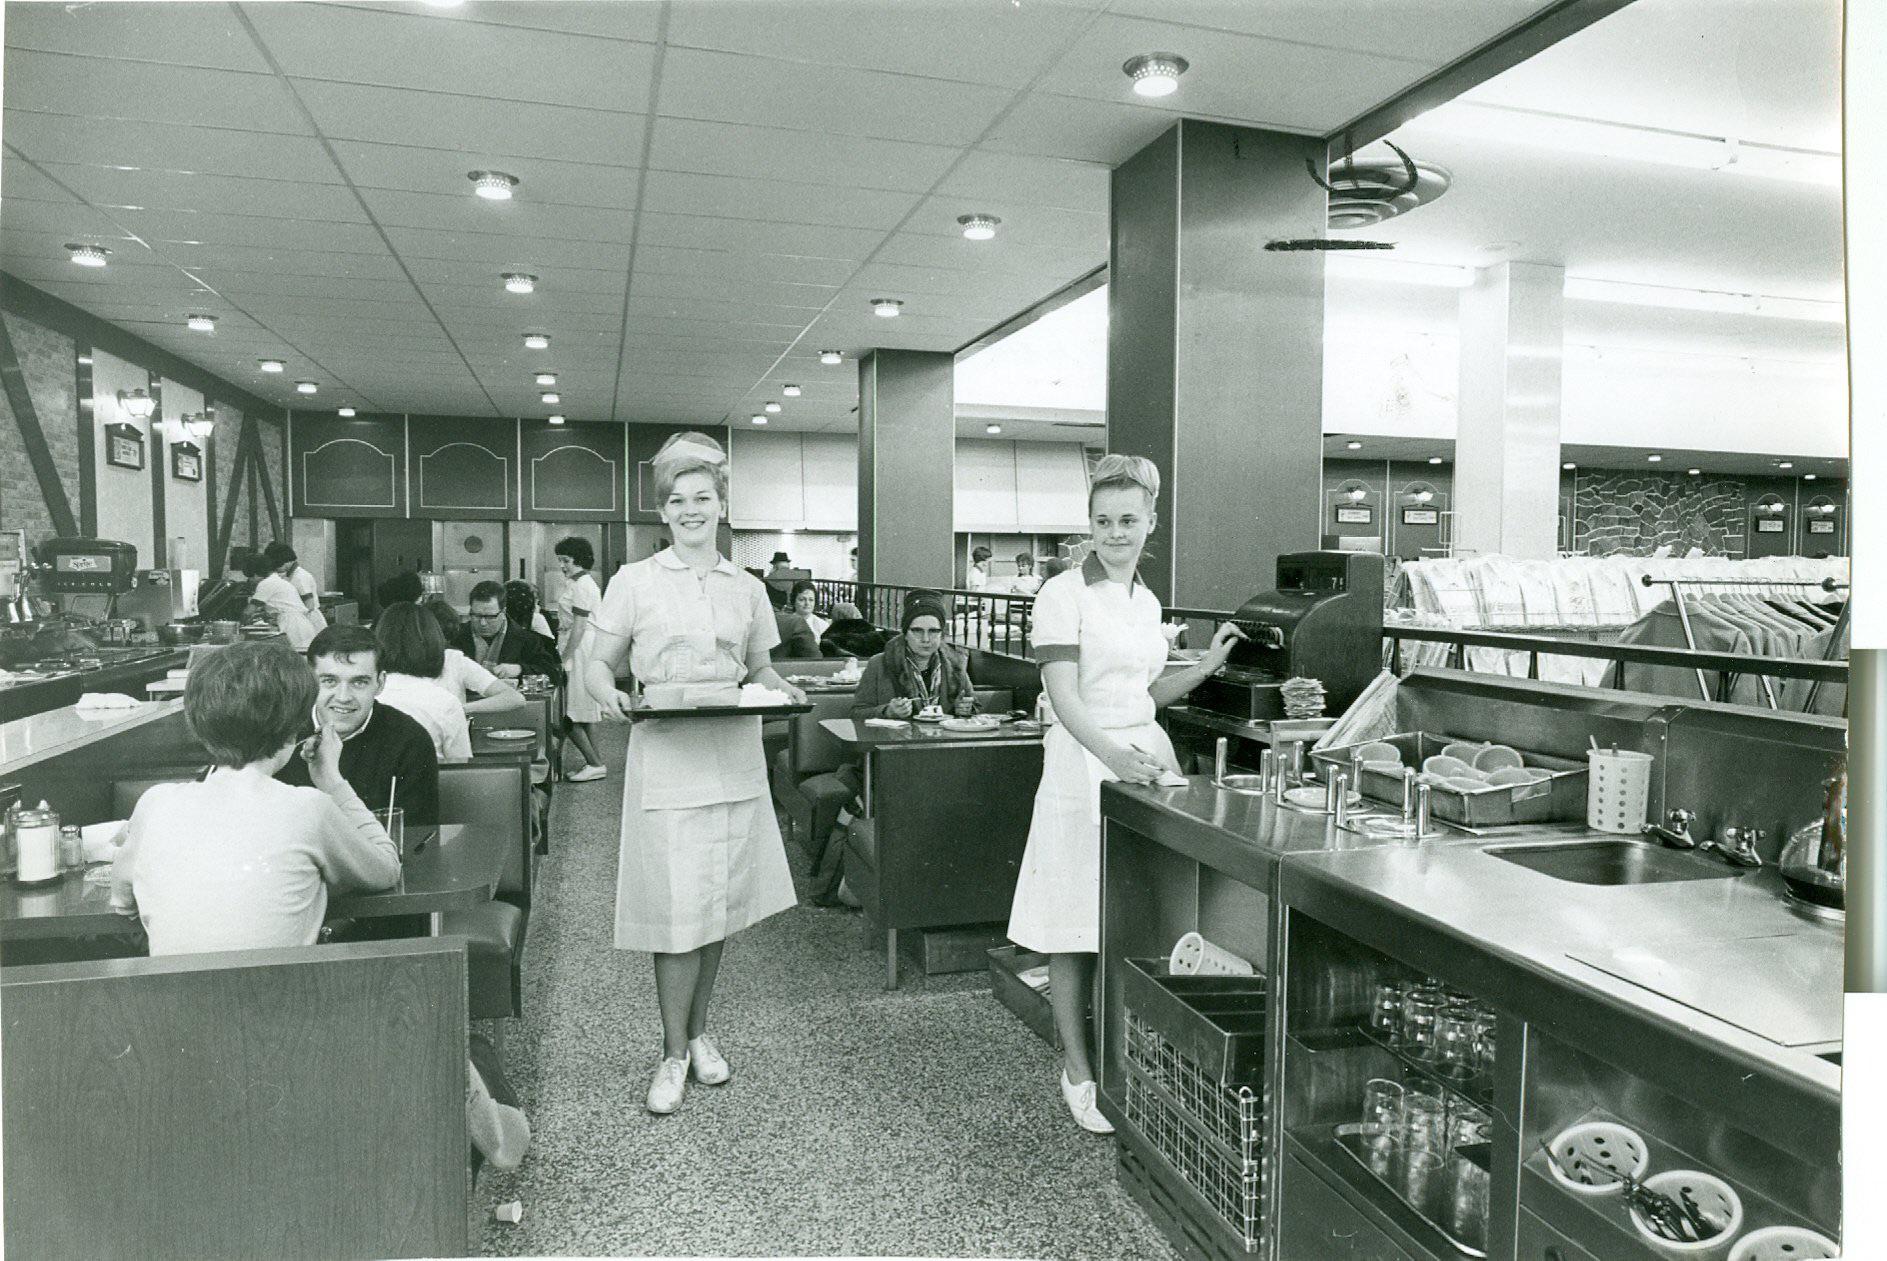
x,y
46,362
1633,514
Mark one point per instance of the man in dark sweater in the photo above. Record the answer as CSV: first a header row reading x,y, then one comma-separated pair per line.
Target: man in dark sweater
x,y
379,744
499,644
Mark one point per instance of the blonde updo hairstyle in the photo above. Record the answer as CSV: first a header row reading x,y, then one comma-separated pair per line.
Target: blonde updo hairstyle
x,y
690,452
1122,472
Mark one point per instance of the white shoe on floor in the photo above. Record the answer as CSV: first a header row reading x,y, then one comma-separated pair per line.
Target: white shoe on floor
x,y
670,1084
499,1132
1080,1101
587,774
710,1066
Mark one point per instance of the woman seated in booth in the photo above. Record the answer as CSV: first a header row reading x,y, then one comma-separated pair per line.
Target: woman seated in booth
x,y
413,655
917,670
805,602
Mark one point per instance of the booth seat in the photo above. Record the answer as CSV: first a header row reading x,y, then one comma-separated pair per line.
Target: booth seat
x,y
237,1104
773,732
493,795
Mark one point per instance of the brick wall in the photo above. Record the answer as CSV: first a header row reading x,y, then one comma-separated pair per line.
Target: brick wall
x,y
46,362
1633,514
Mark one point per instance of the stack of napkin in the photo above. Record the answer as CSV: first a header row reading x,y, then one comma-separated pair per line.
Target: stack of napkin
x,y
1303,698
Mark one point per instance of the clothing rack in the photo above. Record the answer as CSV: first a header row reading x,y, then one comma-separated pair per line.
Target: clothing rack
x,y
1677,586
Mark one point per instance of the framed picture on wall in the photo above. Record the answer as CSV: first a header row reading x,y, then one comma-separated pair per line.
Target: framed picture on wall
x,y
1421,516
1355,514
124,447
186,462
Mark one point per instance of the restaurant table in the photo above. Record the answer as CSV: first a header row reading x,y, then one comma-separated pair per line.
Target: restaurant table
x,y
866,737
457,870
536,713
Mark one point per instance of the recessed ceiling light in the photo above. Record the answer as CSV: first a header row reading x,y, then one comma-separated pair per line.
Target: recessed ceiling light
x,y
305,387
1808,477
791,391
992,428
1694,472
270,365
89,255
1353,446
493,185
830,357
344,412
1569,466
85,359
978,227
537,341
1785,463
1654,459
556,418
201,323
1155,74
545,378
520,282
772,409
759,420
1434,459
550,396
886,308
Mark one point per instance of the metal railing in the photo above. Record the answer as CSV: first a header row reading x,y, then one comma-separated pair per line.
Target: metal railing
x,y
993,621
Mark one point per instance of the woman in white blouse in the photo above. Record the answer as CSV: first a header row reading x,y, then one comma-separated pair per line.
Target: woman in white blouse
x,y
575,606
1097,636
412,653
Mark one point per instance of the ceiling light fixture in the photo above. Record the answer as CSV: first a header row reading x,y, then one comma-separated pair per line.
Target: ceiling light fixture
x,y
556,418
492,185
1654,459
200,424
1353,446
1785,464
1155,74
345,413
1569,466
270,365
759,420
1434,459
520,282
551,397
545,378
201,323
830,357
886,308
1808,477
305,387
978,227
992,428
772,409
137,404
89,255
537,341
791,391
1694,472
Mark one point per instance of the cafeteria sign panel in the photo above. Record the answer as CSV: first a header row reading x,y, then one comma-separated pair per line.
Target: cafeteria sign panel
x,y
1355,514
1421,516
1821,527
1769,525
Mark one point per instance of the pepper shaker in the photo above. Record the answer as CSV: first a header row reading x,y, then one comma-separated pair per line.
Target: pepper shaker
x,y
1219,753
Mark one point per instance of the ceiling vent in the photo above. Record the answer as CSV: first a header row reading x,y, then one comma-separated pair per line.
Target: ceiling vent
x,y
1366,193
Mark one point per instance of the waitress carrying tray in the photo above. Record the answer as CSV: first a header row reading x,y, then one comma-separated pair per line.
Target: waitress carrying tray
x,y
642,712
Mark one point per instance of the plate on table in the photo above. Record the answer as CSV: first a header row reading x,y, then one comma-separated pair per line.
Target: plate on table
x,y
928,716
511,733
982,724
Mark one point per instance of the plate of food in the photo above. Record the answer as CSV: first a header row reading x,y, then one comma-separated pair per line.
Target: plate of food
x,y
979,724
511,733
930,713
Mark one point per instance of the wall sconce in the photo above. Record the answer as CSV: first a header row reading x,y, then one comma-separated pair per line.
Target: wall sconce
x,y
1770,506
137,405
199,425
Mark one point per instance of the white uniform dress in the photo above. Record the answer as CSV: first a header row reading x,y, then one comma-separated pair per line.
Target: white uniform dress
x,y
701,851
582,593
1113,634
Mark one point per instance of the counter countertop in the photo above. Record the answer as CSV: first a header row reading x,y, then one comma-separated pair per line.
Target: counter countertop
x,y
1525,927
25,741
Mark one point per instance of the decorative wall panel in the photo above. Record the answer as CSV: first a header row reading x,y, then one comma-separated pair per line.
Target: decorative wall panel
x,y
464,468
573,472
350,468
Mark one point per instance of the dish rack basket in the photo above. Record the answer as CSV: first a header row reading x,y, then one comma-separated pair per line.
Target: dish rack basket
x,y
1194,1055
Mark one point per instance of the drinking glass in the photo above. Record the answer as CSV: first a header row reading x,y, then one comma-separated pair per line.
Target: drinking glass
x,y
1467,1201
1421,1170
1484,1045
1468,1126
1454,1039
1424,1119
393,820
1382,1111
1385,1010
1420,1008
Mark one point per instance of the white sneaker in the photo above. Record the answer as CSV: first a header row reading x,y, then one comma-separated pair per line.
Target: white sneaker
x,y
587,774
1080,1101
670,1084
500,1132
710,1066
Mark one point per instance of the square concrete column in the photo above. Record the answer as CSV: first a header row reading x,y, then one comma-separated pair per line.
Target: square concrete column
x,y
1507,440
907,450
1215,353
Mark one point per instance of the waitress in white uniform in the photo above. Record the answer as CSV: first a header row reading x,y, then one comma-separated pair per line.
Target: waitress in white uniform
x,y
1096,631
701,855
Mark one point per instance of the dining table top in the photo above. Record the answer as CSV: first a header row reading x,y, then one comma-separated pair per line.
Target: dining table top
x,y
867,736
457,869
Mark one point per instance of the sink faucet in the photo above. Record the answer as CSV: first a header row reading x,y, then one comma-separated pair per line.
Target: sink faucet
x,y
1738,846
1675,830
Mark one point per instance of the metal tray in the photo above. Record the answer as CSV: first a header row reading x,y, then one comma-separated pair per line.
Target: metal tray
x,y
1216,1021
1468,1237
1561,796
644,713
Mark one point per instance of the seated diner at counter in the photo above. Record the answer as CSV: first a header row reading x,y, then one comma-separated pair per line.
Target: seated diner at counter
x,y
412,658
508,648
917,670
383,752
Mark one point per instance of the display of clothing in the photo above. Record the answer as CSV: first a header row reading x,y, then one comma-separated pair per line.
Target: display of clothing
x,y
1745,624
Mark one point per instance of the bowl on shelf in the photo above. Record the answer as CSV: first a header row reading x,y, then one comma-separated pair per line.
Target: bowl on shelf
x,y
1587,1158
1716,1199
1784,1243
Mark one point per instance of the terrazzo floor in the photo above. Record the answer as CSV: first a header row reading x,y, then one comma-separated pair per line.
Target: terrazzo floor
x,y
923,1122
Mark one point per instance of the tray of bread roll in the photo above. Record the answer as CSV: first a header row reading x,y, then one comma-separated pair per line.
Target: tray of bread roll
x,y
1476,783
713,700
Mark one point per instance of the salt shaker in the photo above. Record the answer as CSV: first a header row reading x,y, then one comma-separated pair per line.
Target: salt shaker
x,y
71,848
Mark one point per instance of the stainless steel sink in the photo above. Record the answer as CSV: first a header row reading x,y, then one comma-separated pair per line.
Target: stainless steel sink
x,y
1612,862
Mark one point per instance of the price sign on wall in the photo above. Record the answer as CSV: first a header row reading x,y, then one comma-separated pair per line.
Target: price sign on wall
x,y
1769,525
1355,514
1821,527
1420,516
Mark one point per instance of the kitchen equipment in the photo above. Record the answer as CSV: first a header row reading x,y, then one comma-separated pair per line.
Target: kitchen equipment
x,y
1587,1159
160,595
1814,864
1560,795
1784,1243
1616,793
82,565
1322,622
1710,1195
1193,955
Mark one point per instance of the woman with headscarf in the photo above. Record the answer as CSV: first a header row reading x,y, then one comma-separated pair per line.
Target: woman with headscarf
x,y
917,670
701,854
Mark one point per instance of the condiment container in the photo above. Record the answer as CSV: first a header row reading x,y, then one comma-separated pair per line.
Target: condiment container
x,y
71,848
36,836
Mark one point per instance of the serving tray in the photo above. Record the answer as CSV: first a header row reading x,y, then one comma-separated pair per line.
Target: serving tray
x,y
646,713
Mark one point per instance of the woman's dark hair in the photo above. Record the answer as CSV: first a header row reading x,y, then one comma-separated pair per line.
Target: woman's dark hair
x,y
450,623
410,642
804,584
404,586
244,702
578,550
981,554
520,601
1025,558
255,564
278,554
